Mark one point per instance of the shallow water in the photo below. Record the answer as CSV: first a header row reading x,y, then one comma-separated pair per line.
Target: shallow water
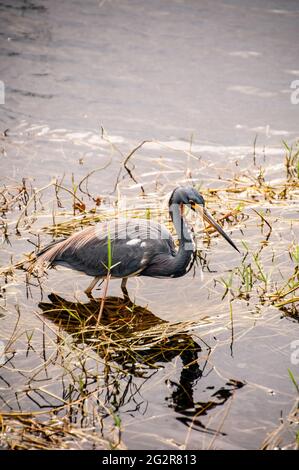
x,y
199,80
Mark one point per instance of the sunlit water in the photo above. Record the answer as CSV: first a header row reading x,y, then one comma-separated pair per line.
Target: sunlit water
x,y
200,77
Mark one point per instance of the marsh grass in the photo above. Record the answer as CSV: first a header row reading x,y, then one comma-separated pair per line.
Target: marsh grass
x,y
289,425
19,432
129,341
292,160
121,337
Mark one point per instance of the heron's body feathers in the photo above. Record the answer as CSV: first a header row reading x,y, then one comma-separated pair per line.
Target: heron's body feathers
x,y
134,245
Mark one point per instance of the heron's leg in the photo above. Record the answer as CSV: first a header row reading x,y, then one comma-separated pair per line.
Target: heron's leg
x,y
92,285
124,287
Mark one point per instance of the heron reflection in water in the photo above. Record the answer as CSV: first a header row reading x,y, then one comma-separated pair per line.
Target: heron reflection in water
x,y
136,247
155,342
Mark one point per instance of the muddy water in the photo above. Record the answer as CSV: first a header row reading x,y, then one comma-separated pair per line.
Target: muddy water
x,y
165,71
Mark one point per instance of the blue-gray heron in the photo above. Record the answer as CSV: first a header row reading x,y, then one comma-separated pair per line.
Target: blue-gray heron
x,y
133,247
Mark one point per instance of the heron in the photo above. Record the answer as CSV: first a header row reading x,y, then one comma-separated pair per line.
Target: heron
x,y
123,248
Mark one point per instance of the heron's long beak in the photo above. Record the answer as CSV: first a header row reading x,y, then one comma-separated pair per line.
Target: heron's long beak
x,y
208,218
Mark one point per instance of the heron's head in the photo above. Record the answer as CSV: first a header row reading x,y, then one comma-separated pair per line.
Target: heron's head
x,y
188,195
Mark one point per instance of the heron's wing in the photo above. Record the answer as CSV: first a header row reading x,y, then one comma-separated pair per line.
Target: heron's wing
x,y
125,246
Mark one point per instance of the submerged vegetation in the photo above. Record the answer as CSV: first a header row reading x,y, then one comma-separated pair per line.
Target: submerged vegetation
x,y
105,351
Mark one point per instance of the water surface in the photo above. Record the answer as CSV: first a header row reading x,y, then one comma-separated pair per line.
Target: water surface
x,y
206,78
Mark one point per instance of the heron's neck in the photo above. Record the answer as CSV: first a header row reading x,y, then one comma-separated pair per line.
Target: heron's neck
x,y
186,244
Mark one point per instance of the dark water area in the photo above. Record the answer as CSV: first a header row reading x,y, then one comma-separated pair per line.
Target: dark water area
x,y
219,71
208,84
